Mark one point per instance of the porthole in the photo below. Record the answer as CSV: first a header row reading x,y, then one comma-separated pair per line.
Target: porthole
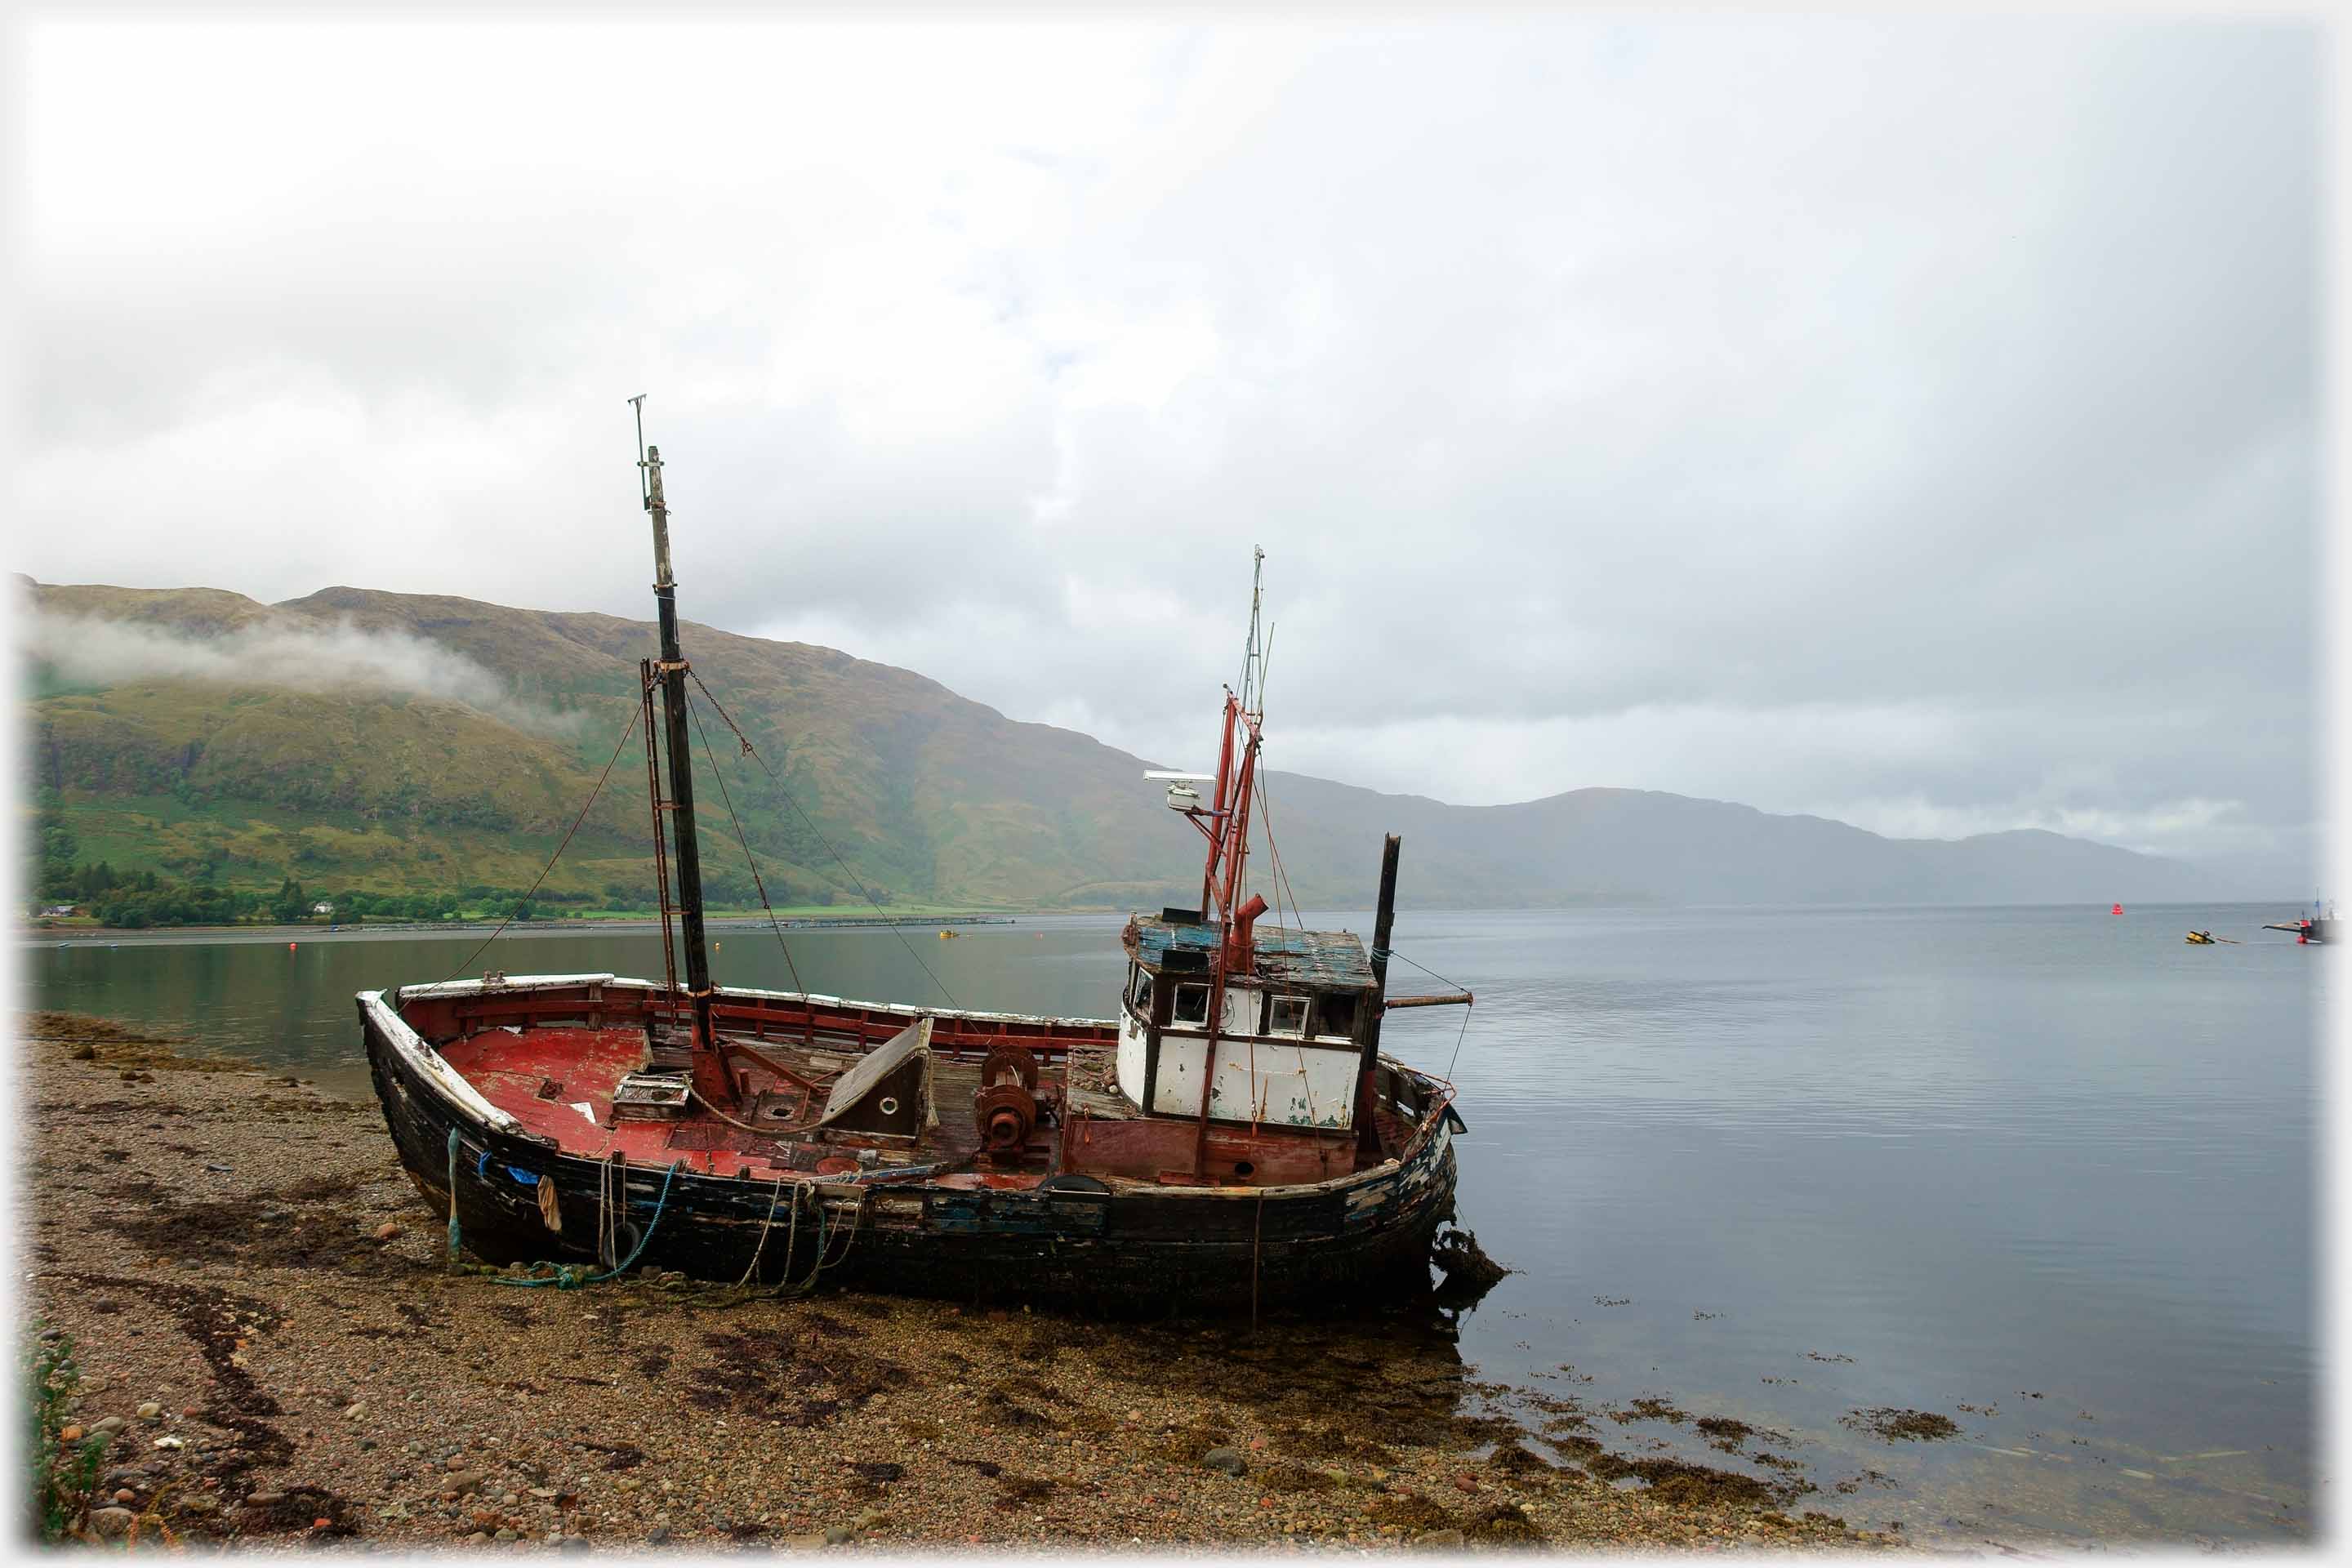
x,y
889,1106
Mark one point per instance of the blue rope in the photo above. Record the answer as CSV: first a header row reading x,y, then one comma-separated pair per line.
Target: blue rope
x,y
568,1277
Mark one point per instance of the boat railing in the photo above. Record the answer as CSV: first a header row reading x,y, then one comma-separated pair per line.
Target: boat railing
x,y
810,1019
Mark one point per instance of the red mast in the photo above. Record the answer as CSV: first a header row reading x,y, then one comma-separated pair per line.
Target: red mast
x,y
1227,821
1226,826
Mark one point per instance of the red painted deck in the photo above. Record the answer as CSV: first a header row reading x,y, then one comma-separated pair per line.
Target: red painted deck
x,y
541,1075
510,1070
515,1071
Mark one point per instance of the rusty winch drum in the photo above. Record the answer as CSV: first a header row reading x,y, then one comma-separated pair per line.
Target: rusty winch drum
x,y
1006,1104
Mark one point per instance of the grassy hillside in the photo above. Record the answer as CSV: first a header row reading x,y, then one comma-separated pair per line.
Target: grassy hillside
x,y
930,798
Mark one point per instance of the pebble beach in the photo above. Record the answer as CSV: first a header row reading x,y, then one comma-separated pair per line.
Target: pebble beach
x,y
275,1349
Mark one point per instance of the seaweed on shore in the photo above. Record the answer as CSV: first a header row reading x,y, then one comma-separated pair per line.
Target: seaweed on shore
x,y
1683,1483
1893,1425
786,1381
216,1321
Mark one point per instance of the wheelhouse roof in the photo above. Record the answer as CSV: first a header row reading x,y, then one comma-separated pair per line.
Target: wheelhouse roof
x,y
1316,959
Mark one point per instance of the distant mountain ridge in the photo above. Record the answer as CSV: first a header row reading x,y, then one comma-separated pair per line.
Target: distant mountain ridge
x,y
930,797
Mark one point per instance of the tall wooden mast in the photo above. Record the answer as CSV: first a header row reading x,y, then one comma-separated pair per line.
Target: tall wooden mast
x,y
680,806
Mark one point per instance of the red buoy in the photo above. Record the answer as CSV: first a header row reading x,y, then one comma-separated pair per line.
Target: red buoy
x,y
2116,911
292,945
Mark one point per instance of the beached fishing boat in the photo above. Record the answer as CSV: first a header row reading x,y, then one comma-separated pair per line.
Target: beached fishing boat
x,y
1232,1135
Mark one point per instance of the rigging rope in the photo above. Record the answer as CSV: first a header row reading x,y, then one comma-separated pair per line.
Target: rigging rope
x,y
1392,952
753,752
1281,877
1459,1036
626,730
748,859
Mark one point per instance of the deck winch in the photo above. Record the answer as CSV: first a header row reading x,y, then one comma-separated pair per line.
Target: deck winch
x,y
1006,1104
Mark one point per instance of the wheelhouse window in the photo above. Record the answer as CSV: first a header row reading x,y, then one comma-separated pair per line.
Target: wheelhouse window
x,y
1335,1014
1139,995
1192,1005
1286,1015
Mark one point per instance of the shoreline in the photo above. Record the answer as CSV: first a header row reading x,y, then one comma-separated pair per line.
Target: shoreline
x,y
243,1253
33,932
629,924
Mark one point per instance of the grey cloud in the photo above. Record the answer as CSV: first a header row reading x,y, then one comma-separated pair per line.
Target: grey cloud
x,y
1583,378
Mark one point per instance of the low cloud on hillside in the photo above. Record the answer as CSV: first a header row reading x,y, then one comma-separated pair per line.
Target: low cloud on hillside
x,y
87,651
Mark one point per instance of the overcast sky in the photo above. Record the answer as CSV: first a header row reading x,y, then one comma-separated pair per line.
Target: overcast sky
x,y
1911,423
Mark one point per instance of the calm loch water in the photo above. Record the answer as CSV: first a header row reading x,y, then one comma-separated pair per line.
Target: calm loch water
x,y
2049,1171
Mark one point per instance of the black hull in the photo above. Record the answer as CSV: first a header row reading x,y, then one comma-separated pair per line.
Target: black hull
x,y
1362,1241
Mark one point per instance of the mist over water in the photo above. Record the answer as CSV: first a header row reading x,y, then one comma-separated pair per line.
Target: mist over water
x,y
1777,1165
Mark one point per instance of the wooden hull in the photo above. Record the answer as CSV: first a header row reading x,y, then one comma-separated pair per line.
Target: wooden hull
x,y
1073,1241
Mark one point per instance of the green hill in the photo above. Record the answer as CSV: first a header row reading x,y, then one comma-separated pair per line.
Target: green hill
x,y
417,744
931,800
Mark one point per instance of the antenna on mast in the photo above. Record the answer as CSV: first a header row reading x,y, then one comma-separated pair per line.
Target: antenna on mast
x,y
638,403
1250,658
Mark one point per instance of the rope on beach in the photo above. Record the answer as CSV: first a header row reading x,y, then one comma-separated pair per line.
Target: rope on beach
x,y
786,1286
765,1226
570,1277
792,1235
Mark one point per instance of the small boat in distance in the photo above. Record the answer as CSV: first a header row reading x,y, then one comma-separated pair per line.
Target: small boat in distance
x,y
2314,927
1233,1135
